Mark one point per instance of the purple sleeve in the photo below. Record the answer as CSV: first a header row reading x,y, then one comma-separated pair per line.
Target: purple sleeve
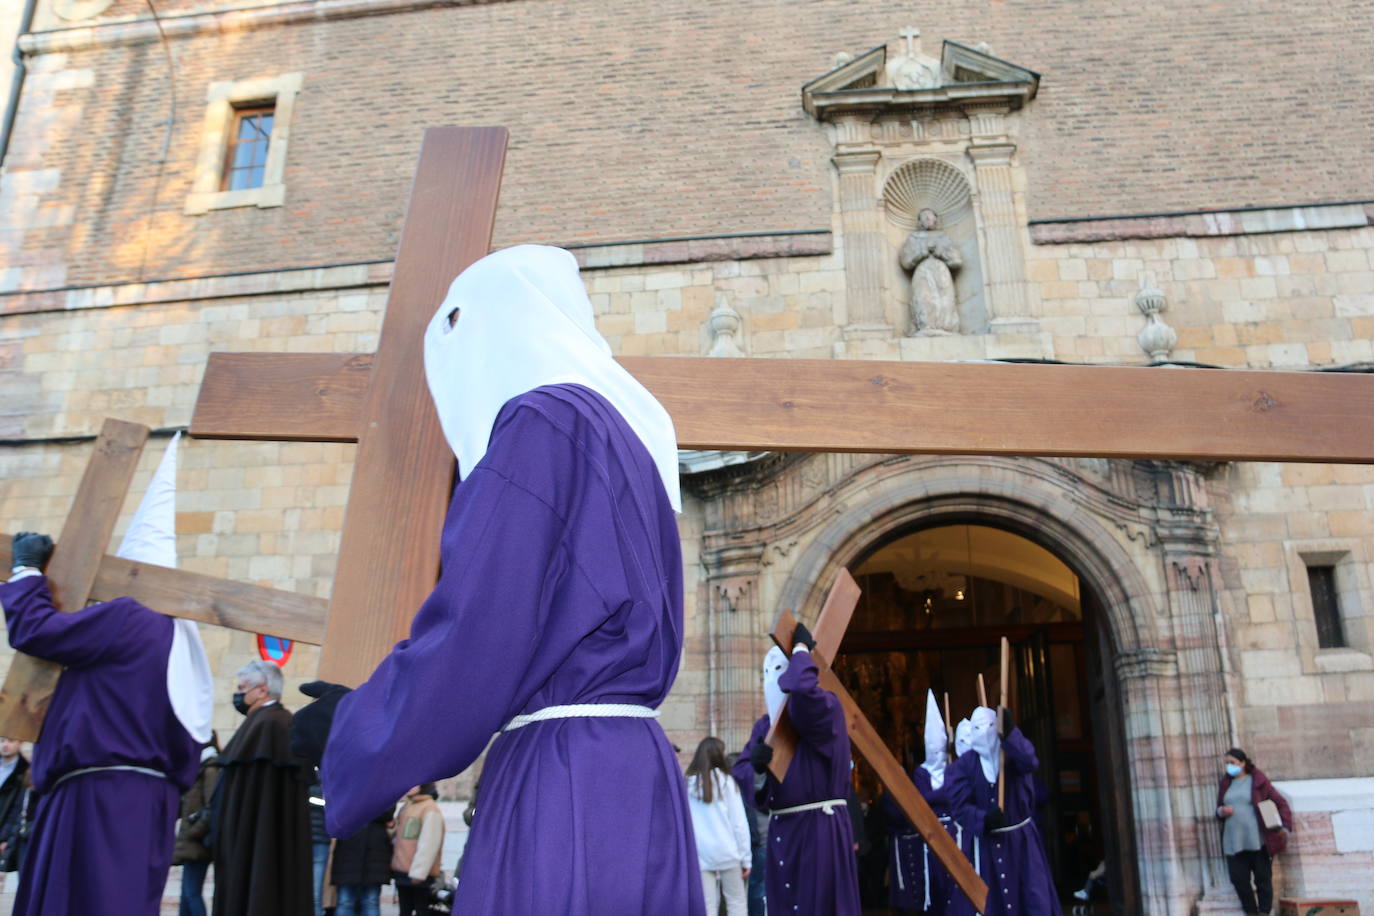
x,y
959,785
1021,757
75,640
511,605
816,713
743,770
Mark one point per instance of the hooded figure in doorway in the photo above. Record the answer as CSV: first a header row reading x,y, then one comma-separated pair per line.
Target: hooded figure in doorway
x,y
556,624
916,879
123,735
810,846
1010,853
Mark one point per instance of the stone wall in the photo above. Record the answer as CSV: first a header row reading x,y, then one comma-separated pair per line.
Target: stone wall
x,y
640,121
111,297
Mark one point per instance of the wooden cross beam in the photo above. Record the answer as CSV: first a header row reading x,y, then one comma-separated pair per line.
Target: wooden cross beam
x,y
882,407
81,571
782,736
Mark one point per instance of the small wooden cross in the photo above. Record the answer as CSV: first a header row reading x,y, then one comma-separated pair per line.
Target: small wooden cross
x,y
782,736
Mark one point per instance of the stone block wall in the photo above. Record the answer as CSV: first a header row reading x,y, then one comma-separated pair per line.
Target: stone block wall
x,y
632,121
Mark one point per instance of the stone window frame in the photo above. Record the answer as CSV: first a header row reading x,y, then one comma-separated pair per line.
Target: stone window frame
x,y
1354,598
222,98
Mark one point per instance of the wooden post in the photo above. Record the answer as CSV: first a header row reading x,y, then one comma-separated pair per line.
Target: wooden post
x,y
949,730
1001,712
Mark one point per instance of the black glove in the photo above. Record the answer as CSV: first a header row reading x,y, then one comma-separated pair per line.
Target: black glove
x,y
1008,723
802,636
310,726
29,549
760,757
994,820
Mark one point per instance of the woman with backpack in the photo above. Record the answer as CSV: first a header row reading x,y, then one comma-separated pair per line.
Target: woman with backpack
x,y
417,849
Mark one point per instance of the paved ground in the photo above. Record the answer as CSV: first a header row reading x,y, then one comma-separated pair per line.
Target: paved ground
x,y
453,845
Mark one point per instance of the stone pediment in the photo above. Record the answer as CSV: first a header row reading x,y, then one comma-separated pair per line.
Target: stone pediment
x,y
966,76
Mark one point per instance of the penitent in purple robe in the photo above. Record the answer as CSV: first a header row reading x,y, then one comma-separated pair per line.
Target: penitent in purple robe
x,y
811,864
1012,861
101,842
916,879
561,584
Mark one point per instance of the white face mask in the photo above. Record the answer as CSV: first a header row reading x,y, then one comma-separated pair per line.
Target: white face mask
x,y
984,740
523,322
961,735
774,664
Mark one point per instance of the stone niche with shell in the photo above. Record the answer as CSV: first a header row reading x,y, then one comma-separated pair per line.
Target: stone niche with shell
x,y
930,183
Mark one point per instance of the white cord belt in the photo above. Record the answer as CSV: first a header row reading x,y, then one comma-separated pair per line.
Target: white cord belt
x,y
925,852
828,806
1012,827
126,769
582,711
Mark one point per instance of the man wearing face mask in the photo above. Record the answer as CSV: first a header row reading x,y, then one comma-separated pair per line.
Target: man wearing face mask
x,y
122,736
1010,854
810,845
556,624
261,812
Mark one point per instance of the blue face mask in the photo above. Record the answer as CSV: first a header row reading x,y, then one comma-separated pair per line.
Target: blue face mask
x,y
1232,770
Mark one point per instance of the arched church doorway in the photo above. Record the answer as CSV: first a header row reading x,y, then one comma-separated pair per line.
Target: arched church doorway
x,y
936,601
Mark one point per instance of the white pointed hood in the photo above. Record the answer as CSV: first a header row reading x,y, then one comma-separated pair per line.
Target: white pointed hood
x,y
151,538
984,740
936,742
525,322
774,664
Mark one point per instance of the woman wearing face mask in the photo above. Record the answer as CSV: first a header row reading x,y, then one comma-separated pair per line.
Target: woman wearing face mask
x,y
1248,846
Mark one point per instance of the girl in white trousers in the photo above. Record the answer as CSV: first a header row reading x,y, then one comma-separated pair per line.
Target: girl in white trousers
x,y
718,819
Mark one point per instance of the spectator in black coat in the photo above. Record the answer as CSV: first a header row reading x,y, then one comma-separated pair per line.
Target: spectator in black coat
x,y
13,766
362,864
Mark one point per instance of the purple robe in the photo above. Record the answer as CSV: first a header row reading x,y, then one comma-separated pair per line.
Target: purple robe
x,y
1012,861
561,584
101,842
915,874
811,864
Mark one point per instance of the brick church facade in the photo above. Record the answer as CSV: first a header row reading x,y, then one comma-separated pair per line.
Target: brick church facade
x,y
1170,186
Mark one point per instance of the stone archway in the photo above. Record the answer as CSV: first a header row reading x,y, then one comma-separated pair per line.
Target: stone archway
x,y
1139,536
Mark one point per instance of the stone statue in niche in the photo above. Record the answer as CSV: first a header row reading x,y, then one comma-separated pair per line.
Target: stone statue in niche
x,y
932,258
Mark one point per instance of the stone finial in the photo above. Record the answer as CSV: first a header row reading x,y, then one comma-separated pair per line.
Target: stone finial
x,y
1156,338
725,325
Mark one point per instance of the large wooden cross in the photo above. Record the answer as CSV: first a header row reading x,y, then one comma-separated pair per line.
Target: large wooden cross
x,y
389,555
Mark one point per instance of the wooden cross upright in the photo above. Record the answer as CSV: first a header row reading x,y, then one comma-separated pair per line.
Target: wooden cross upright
x,y
863,737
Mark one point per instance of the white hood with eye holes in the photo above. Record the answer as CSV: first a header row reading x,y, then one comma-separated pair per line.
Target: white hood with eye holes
x,y
524,321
